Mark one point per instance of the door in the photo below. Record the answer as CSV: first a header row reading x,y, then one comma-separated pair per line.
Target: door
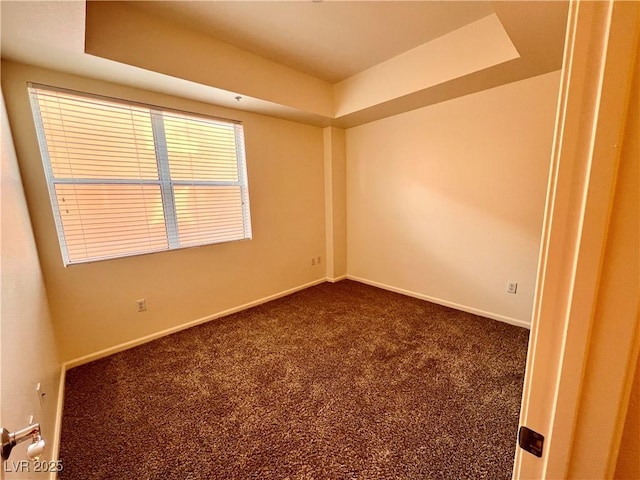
x,y
578,366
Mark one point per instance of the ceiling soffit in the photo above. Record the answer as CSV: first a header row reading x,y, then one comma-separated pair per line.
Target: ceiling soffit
x,y
126,44
478,55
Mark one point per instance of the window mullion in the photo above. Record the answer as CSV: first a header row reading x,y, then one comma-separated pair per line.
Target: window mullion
x,y
164,174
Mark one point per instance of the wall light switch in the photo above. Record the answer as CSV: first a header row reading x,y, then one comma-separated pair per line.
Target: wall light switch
x,y
512,287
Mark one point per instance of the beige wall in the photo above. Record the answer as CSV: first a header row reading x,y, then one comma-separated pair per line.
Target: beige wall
x,y
94,305
431,195
446,202
29,354
335,187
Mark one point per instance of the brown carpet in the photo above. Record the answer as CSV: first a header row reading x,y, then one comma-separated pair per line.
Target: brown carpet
x,y
339,381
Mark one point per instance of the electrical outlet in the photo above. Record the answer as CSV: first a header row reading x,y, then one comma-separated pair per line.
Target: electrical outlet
x,y
512,287
313,261
142,305
319,260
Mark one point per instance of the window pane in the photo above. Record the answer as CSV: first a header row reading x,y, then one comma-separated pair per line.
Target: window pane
x,y
208,214
128,179
97,139
200,149
102,221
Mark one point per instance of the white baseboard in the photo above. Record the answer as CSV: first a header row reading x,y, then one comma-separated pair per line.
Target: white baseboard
x,y
336,279
55,446
57,429
445,303
163,333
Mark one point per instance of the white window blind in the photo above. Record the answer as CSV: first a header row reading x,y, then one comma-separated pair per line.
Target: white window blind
x,y
127,179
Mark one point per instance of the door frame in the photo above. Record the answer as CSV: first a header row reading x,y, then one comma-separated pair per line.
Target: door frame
x,y
600,51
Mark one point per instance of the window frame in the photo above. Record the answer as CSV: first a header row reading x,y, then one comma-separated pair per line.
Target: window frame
x,y
164,181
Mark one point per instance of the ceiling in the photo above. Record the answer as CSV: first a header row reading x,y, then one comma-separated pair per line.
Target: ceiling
x,y
336,44
329,40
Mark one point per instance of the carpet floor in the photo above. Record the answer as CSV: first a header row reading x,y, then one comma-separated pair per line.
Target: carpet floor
x,y
338,381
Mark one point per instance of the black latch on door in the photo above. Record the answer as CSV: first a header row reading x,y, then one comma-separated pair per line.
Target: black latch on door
x,y
530,441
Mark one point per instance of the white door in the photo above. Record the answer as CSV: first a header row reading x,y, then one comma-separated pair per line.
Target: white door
x,y
578,366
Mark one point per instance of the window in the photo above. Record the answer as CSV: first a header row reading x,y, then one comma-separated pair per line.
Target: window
x,y
126,179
